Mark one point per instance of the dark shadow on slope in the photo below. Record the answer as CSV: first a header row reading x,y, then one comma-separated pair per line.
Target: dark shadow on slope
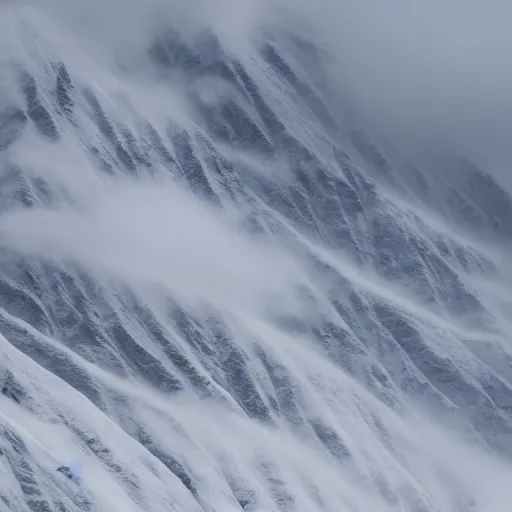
x,y
172,464
304,92
193,171
15,189
23,304
158,146
106,128
36,495
449,379
331,441
18,458
134,148
286,392
170,346
55,361
227,175
272,123
145,364
12,125
64,90
230,123
36,111
12,388
282,497
242,387
232,369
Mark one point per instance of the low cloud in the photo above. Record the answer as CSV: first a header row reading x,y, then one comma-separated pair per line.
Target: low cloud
x,y
155,233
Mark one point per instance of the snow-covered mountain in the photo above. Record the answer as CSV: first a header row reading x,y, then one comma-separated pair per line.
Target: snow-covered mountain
x,y
221,289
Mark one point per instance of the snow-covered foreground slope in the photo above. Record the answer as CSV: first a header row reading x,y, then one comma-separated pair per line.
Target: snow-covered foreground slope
x,y
218,291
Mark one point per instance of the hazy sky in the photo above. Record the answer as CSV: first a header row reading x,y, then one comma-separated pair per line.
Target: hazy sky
x,y
438,69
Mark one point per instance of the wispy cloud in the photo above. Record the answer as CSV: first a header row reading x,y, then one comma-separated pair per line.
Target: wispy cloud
x,y
146,232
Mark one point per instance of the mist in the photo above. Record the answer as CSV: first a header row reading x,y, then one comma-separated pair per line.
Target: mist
x,y
347,310
429,73
145,233
433,74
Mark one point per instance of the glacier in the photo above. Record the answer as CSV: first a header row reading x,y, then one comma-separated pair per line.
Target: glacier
x,y
221,289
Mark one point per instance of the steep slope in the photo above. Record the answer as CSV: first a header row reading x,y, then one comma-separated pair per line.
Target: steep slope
x,y
217,289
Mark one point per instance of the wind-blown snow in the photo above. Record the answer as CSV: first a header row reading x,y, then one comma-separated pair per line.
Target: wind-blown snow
x,y
223,284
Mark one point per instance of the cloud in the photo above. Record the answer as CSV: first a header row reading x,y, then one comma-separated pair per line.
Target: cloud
x,y
435,72
425,72
155,233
